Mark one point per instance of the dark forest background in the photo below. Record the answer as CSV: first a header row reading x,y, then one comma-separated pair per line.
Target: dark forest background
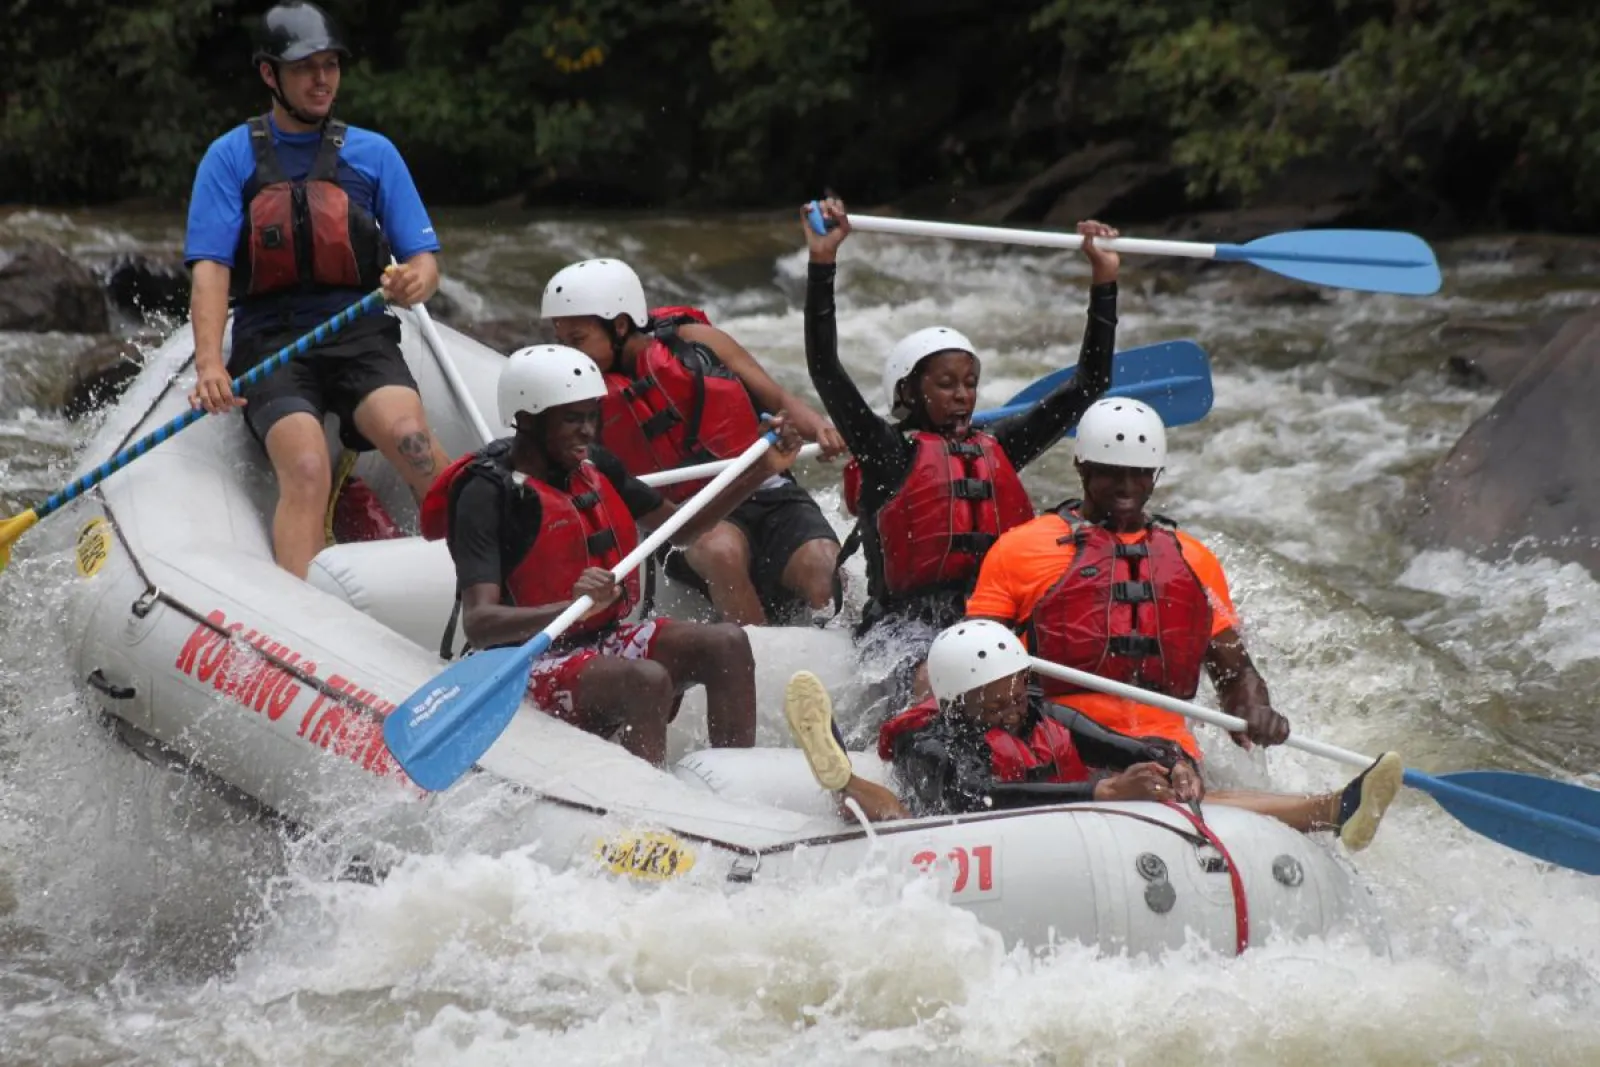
x,y
1441,114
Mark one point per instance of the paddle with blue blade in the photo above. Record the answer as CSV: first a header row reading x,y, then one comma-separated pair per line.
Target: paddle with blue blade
x,y
1373,261
1557,822
16,526
1173,377
442,729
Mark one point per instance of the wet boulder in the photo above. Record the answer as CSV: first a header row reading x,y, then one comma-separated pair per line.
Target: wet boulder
x,y
42,289
144,285
101,373
1522,478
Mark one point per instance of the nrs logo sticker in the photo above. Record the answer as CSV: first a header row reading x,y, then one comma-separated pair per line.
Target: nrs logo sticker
x,y
94,546
654,857
432,703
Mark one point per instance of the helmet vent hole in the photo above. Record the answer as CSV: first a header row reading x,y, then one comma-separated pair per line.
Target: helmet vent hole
x,y
1122,437
983,654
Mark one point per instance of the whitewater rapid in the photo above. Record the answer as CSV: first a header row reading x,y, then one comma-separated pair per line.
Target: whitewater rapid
x,y
144,920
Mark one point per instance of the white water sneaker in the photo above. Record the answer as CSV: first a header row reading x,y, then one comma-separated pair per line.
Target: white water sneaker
x,y
1366,798
810,714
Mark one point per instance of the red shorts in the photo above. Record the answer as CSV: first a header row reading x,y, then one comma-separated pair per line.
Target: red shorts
x,y
553,682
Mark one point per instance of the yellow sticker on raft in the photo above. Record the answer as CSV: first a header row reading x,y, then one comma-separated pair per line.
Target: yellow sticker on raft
x,y
653,856
94,545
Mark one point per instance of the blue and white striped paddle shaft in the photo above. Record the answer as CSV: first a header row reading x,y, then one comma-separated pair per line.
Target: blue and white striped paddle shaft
x,y
73,490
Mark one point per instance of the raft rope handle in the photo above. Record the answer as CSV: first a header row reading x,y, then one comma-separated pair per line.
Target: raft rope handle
x,y
1241,906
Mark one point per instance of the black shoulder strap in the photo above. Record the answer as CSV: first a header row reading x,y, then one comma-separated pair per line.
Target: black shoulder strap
x,y
695,361
326,166
489,463
268,171
1067,510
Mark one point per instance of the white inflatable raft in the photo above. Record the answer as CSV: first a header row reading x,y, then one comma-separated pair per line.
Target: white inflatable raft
x,y
194,642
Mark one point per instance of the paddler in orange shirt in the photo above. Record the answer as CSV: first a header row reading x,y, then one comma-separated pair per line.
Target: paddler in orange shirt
x,y
1105,587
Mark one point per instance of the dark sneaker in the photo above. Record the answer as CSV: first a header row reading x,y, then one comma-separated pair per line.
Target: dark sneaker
x,y
1366,798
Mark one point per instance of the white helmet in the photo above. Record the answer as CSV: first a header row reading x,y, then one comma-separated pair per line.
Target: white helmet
x,y
971,654
913,349
546,376
1118,431
603,287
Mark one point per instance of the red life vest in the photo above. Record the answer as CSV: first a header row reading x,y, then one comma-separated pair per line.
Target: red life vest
x,y
304,234
680,407
1048,754
585,525
958,497
1131,613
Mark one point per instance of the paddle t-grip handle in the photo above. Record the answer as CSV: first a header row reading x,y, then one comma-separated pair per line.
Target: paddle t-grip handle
x,y
819,223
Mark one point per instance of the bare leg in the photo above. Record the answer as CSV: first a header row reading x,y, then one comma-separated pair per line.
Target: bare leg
x,y
391,417
721,556
299,454
718,657
628,698
1302,813
1355,811
809,572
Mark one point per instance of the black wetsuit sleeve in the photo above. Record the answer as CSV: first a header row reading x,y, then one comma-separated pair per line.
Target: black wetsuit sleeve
x,y
640,498
1025,436
1100,747
945,773
884,455
475,534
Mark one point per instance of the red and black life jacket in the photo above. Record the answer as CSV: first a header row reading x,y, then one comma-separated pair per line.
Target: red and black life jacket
x,y
586,524
304,235
680,407
1135,613
956,500
1047,755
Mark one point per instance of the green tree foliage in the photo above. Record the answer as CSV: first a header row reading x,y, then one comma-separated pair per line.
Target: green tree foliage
x,y
1484,109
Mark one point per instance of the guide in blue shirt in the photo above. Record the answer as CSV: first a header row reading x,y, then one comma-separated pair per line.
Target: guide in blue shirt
x,y
294,217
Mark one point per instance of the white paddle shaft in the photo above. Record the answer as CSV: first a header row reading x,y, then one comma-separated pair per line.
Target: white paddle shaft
x,y
659,536
1192,711
960,231
706,470
452,376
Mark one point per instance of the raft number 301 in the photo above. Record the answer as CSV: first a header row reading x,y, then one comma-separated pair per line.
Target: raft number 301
x,y
974,870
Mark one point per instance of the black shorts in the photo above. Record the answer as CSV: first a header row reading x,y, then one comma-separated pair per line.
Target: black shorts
x,y
336,376
776,522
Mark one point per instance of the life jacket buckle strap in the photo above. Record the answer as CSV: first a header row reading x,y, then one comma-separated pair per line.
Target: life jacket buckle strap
x,y
601,542
1138,550
1133,592
660,423
585,501
1134,646
973,544
965,448
971,489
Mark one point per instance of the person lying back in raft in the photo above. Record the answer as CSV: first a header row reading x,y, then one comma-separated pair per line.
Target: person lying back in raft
x,y
932,493
538,520
682,392
986,740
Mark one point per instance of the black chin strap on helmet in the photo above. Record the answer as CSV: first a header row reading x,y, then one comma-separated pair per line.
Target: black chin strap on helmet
x,y
283,101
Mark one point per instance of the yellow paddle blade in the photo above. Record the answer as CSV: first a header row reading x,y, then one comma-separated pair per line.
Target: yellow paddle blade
x,y
11,529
